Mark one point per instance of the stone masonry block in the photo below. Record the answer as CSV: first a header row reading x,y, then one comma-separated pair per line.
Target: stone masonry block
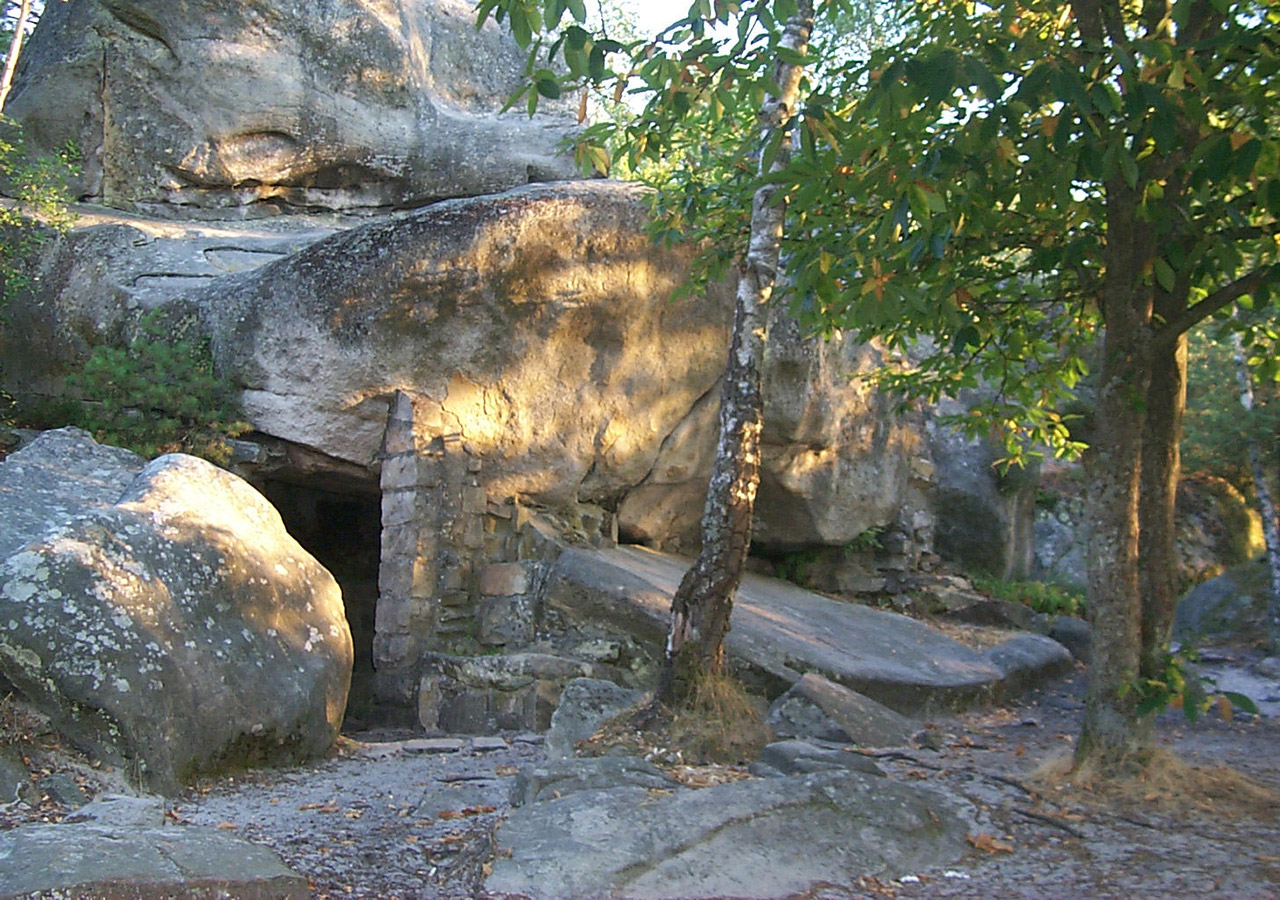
x,y
395,578
474,500
392,616
502,579
400,540
399,506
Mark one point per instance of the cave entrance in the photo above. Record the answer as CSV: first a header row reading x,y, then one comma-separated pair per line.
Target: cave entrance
x,y
341,526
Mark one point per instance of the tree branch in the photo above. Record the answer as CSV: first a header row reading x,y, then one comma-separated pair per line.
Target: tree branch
x,y
1223,296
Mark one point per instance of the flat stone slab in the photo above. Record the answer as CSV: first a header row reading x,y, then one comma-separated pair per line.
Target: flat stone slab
x,y
767,838
817,708
780,629
92,861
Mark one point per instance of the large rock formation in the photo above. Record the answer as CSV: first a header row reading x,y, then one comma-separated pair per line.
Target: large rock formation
x,y
307,103
171,626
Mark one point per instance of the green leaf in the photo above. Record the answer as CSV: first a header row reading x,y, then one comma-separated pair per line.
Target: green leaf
x,y
1240,701
1128,167
547,83
521,30
1164,274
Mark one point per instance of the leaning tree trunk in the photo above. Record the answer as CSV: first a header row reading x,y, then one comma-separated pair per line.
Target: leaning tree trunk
x,y
15,48
1266,506
1110,731
702,604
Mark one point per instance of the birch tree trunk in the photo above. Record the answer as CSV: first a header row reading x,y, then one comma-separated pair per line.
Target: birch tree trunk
x,y
15,48
702,604
1266,505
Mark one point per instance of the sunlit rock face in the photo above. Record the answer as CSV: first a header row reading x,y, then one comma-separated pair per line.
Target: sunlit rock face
x,y
538,327
160,614
336,104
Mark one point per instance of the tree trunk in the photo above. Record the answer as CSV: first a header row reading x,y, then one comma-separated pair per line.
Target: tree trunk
x,y
1109,732
15,48
1266,506
1157,548
701,607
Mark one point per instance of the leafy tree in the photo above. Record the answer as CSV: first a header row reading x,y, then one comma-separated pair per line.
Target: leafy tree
x,y
1008,191
1026,174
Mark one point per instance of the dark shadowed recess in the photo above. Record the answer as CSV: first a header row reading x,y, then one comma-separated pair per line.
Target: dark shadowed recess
x,y
339,522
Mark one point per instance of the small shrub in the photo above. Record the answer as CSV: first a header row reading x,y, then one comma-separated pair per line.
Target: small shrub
x,y
864,541
158,396
1043,598
1180,687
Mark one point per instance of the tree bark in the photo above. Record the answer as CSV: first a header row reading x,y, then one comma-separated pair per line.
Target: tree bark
x,y
1109,733
1157,538
15,48
703,603
1266,505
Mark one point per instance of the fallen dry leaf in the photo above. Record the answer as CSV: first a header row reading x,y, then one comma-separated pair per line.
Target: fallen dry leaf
x,y
353,813
507,771
989,843
227,826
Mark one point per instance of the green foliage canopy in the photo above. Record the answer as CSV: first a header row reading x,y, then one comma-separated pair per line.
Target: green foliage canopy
x,y
950,191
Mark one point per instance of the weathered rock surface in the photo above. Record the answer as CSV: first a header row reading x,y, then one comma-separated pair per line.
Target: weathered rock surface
x,y
558,777
815,707
1232,605
763,838
1215,529
306,103
1026,660
984,518
69,473
835,460
536,325
584,706
178,629
803,758
86,861
779,631
113,267
527,324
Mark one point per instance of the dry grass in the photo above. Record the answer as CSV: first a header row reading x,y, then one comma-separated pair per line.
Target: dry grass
x,y
1163,782
719,723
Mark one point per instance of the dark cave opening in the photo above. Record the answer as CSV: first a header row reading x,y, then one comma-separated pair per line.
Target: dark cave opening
x,y
342,529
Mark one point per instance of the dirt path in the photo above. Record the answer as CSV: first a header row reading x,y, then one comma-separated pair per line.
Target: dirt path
x,y
391,819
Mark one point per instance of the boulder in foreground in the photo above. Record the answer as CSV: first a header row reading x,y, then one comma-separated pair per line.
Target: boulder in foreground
x,y
765,838
97,861
179,630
